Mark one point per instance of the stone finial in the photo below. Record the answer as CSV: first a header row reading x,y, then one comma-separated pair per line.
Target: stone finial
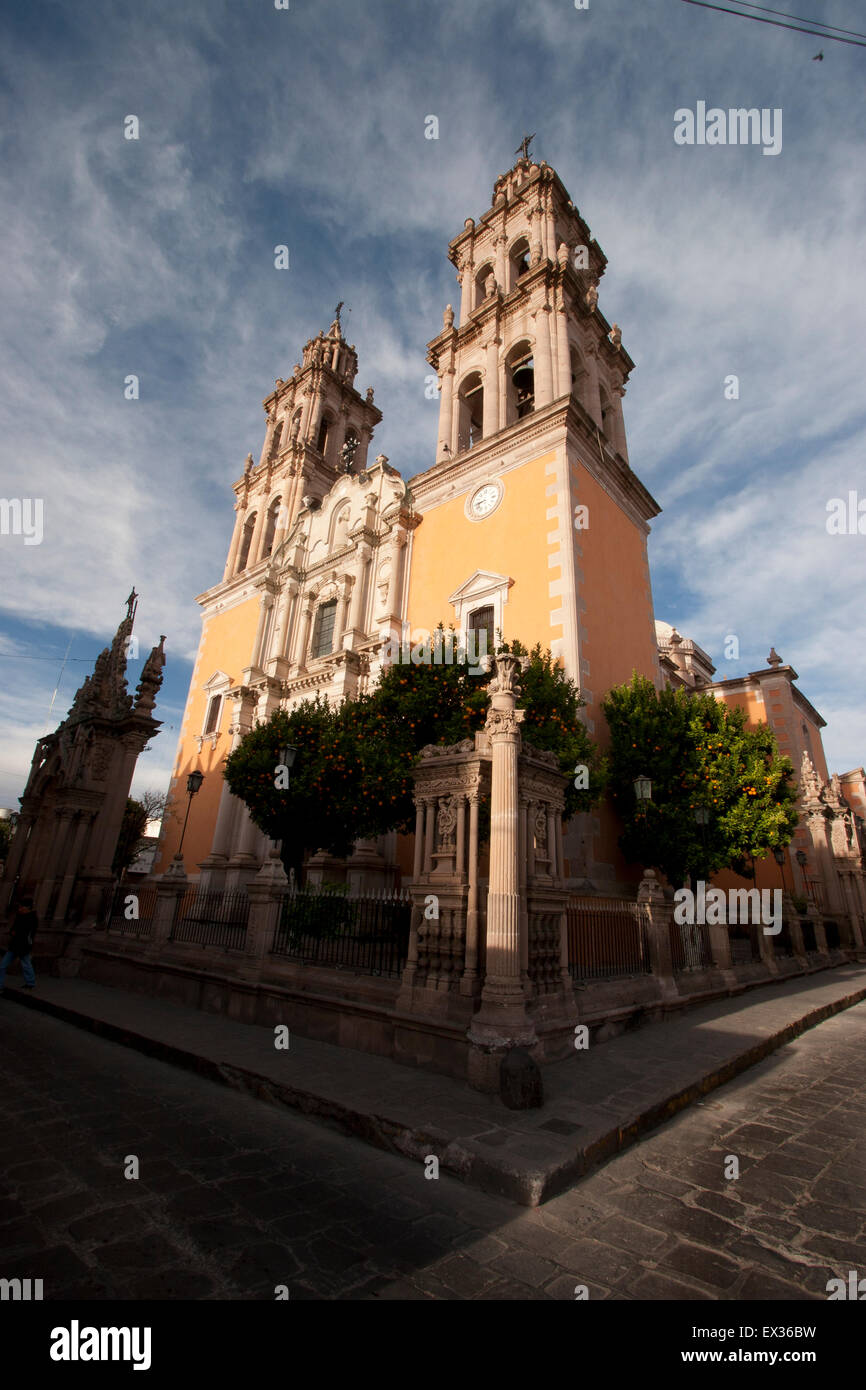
x,y
369,395
381,460
248,464
448,317
563,255
151,679
591,298
490,285
615,335
774,659
809,780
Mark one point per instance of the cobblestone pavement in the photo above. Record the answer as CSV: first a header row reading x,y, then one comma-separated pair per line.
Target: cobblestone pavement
x,y
235,1197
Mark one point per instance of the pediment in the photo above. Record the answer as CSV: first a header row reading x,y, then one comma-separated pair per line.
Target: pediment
x,y
218,681
479,584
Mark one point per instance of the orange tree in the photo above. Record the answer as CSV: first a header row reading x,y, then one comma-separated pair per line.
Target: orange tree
x,y
699,753
352,777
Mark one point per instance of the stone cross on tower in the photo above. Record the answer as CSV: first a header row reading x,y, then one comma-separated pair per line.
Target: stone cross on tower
x,y
523,147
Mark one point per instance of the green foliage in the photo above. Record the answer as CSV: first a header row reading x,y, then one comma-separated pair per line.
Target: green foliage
x,y
698,753
352,778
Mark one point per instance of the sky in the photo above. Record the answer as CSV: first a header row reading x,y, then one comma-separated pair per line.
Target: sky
x,y
305,127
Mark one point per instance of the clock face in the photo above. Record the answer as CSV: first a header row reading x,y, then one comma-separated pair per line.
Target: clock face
x,y
485,499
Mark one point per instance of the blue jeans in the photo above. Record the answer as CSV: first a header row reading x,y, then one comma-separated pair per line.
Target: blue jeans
x,y
26,968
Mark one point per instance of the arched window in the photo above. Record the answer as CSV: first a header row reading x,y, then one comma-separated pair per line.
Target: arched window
x,y
246,542
519,382
471,412
481,279
323,637
275,440
271,527
518,261
324,431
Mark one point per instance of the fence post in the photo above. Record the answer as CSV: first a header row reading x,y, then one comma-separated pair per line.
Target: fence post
x,y
266,893
169,891
658,915
720,945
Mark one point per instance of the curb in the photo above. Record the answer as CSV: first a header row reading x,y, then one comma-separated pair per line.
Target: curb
x,y
519,1182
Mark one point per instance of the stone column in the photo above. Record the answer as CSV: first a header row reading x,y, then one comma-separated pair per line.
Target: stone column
x,y
266,893
446,406
553,866
82,825
429,833
169,891
342,621
460,862
593,398
258,531
357,612
658,915
304,636
235,544
265,606
543,363
619,422
419,842
470,972
466,276
502,1021
490,423
563,351
278,642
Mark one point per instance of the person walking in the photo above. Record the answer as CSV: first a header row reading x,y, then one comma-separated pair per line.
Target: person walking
x,y
21,936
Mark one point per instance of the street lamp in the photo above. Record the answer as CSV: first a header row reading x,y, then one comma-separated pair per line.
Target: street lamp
x,y
643,790
780,856
802,859
702,818
193,785
287,755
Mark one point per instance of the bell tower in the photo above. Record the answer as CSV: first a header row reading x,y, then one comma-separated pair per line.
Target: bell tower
x,y
533,522
318,427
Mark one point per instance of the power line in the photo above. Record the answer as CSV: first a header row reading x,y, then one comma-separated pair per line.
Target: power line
x,y
744,5
777,23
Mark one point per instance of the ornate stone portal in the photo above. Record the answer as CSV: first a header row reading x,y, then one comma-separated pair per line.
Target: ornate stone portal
x,y
73,804
488,958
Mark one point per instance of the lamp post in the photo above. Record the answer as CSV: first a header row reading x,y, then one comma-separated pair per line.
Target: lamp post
x,y
802,859
643,790
287,755
702,818
780,856
193,785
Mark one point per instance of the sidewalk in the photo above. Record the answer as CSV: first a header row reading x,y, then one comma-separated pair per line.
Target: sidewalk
x,y
596,1103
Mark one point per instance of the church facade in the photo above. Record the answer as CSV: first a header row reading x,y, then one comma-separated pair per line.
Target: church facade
x,y
530,522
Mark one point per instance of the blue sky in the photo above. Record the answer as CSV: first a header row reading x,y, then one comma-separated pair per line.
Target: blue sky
x,y
306,127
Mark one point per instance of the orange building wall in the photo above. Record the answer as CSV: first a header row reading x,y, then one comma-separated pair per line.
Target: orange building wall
x,y
226,644
448,548
618,632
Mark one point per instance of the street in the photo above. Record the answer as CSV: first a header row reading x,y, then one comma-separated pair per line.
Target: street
x,y
236,1197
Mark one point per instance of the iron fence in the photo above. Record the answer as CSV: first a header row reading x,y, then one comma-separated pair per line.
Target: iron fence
x,y
131,909
368,933
745,947
607,938
212,919
690,946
